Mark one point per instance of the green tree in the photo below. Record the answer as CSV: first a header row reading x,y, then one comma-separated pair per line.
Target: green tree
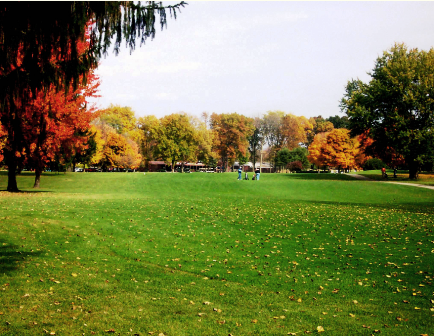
x,y
396,106
339,122
177,139
33,34
300,154
283,157
122,119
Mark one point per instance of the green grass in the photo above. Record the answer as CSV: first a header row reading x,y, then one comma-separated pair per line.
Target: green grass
x,y
205,254
402,176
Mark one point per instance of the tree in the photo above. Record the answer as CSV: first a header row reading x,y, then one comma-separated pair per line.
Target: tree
x,y
205,136
295,165
85,156
374,164
123,120
315,150
33,34
121,152
148,125
283,157
272,129
334,148
340,150
299,154
3,135
231,131
294,130
177,139
339,122
396,106
256,141
56,125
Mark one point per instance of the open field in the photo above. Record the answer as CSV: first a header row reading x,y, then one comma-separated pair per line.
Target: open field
x,y
205,254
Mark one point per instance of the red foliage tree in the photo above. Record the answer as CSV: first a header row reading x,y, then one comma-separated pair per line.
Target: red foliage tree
x,y
47,122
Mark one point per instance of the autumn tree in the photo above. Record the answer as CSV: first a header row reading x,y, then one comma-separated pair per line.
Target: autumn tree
x,y
123,120
272,129
256,141
294,130
231,132
335,149
55,124
177,139
148,125
315,150
396,106
33,33
205,137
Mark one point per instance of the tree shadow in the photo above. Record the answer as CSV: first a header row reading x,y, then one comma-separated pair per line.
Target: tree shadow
x,y
23,192
11,256
316,176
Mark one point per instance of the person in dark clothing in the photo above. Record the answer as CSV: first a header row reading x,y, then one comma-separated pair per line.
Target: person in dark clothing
x,y
257,172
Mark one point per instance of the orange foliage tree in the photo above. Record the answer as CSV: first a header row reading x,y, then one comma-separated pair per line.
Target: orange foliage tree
x,y
335,149
231,132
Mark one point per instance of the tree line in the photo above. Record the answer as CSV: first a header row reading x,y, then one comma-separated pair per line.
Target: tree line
x,y
47,63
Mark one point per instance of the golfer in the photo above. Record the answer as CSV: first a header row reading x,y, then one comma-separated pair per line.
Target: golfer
x,y
239,173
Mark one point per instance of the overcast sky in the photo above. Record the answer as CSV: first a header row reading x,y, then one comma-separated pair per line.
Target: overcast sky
x,y
253,57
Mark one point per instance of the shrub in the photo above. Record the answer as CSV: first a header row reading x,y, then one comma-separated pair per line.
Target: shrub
x,y
295,165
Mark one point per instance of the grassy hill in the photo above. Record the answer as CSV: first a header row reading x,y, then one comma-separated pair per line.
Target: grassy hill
x,y
205,254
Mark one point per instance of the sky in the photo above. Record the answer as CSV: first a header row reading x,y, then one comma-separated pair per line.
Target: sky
x,y
251,57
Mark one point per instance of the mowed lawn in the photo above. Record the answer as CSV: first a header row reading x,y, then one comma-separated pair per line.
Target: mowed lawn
x,y
205,254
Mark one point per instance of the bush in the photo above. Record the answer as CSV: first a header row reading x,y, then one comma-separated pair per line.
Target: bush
x,y
374,164
295,165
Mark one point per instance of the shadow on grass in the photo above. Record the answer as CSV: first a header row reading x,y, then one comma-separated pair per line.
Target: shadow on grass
x,y
422,207
315,176
21,192
11,256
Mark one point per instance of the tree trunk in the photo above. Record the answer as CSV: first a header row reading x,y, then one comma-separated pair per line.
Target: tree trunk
x,y
37,178
413,170
12,172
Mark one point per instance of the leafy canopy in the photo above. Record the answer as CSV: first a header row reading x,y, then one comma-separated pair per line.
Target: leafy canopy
x,y
396,107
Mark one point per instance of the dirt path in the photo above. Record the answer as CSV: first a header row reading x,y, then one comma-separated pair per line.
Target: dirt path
x,y
361,177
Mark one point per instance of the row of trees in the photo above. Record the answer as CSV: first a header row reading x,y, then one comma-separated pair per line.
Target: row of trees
x,y
47,59
129,142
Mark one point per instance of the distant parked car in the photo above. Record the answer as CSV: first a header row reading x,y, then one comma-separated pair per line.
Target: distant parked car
x,y
78,170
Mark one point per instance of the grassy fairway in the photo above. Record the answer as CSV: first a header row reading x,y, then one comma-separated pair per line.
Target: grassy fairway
x,y
205,254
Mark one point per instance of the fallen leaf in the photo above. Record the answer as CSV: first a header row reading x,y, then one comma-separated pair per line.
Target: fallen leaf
x,y
320,329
